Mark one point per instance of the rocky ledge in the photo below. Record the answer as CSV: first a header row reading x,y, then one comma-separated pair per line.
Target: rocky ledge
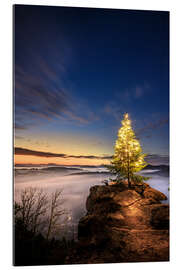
x,y
123,225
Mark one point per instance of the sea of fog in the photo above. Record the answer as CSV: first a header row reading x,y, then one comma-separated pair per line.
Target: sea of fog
x,y
75,183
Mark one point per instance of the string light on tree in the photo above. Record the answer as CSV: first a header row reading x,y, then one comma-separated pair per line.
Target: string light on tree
x,y
128,158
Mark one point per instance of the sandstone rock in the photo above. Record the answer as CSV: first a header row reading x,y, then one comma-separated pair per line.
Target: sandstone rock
x,y
160,216
154,194
92,230
123,225
140,245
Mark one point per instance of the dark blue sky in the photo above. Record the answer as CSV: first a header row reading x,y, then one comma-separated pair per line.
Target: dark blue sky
x,y
77,70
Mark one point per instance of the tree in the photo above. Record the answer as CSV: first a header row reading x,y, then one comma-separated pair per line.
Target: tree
x,y
128,158
32,208
56,211
38,213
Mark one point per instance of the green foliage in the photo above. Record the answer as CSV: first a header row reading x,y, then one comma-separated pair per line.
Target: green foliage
x,y
139,178
128,158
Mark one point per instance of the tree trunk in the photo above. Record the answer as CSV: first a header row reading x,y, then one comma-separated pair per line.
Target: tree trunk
x,y
129,181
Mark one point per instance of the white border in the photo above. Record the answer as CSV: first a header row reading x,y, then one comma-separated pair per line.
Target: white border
x,y
128,4
6,125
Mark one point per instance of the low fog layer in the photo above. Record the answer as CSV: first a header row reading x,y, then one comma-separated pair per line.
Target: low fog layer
x,y
76,183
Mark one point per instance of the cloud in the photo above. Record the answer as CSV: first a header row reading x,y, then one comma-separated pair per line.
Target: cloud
x,y
114,110
36,98
44,94
28,152
155,159
153,125
18,137
133,93
138,92
19,126
125,98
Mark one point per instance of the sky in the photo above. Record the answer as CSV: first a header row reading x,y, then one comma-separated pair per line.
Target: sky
x,y
77,71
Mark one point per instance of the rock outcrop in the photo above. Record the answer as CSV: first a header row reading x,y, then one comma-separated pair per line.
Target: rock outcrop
x,y
123,225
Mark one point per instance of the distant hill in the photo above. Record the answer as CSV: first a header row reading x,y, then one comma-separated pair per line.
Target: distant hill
x,y
157,167
163,169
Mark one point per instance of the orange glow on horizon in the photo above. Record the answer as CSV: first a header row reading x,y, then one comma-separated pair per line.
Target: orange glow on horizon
x,y
24,159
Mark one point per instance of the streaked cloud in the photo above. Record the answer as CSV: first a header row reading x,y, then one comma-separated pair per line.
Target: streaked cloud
x,y
112,109
28,152
133,93
155,159
138,92
19,137
153,125
44,94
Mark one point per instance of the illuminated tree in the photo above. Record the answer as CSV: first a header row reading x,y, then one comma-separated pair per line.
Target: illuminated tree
x,y
128,158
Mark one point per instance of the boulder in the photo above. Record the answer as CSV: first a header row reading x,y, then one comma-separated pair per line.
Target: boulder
x,y
160,216
154,194
123,225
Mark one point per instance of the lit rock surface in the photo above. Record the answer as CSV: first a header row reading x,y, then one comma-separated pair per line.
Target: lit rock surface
x,y
123,225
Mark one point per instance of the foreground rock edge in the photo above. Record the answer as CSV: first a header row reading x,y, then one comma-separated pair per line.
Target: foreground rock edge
x,y
123,225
